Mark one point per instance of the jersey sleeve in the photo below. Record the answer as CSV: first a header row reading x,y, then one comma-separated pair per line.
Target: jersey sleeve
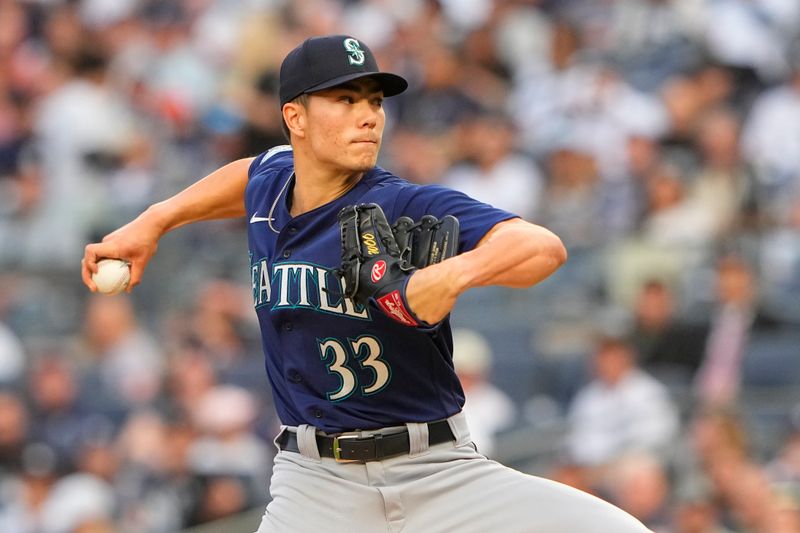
x,y
475,218
272,157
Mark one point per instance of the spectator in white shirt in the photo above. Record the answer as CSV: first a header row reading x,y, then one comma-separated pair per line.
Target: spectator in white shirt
x,y
623,409
495,173
771,142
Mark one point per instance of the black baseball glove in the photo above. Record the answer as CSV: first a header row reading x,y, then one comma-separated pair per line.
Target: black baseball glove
x,y
378,259
428,241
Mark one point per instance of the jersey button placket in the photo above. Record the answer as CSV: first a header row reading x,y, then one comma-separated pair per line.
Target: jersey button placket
x,y
317,413
295,377
287,254
288,326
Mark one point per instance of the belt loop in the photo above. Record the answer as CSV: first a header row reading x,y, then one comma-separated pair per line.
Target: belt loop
x,y
280,438
458,425
307,442
417,439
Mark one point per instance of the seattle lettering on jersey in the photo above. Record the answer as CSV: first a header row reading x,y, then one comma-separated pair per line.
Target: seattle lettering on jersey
x,y
301,285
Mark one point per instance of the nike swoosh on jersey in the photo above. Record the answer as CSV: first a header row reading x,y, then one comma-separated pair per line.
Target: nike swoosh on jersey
x,y
254,219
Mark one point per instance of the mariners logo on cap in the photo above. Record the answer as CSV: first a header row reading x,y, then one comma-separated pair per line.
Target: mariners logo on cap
x,y
355,55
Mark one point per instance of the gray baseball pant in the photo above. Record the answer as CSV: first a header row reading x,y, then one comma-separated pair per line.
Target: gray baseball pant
x,y
444,488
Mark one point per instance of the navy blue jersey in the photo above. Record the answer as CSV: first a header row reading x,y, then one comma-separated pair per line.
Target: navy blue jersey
x,y
333,364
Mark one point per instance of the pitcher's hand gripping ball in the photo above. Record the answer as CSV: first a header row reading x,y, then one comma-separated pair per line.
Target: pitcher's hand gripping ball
x,y
112,276
378,260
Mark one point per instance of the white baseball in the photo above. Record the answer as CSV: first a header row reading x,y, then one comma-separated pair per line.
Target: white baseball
x,y
112,276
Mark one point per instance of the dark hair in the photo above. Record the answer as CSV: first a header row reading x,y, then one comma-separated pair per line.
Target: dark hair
x,y
303,101
89,61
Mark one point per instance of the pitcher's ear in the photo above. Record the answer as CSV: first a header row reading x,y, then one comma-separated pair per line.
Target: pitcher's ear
x,y
295,118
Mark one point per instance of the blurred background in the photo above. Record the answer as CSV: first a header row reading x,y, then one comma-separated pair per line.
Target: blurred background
x,y
660,139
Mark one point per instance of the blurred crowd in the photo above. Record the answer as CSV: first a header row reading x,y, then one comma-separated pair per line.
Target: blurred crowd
x,y
660,139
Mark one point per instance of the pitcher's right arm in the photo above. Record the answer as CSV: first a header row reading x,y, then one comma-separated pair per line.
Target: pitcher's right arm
x,y
218,195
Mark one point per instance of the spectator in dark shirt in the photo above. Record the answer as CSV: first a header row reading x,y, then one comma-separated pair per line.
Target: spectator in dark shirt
x,y
668,346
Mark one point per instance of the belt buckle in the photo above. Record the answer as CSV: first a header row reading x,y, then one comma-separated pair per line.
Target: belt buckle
x,y
337,450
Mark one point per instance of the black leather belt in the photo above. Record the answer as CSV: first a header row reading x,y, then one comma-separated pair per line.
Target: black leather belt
x,y
347,448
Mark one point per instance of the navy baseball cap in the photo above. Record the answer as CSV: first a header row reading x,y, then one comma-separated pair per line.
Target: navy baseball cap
x,y
324,62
